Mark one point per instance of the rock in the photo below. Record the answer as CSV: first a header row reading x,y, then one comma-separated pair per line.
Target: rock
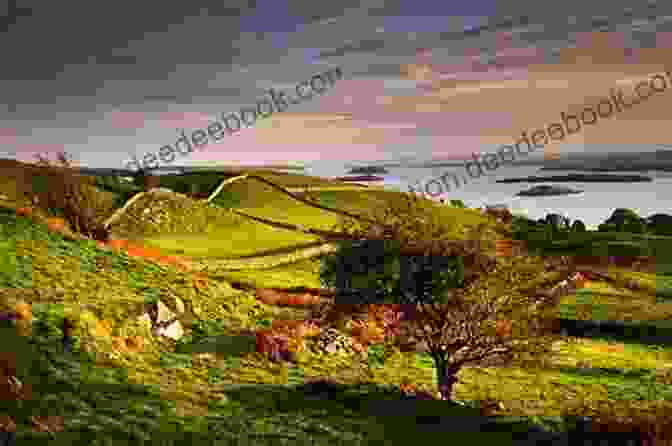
x,y
333,341
174,330
163,313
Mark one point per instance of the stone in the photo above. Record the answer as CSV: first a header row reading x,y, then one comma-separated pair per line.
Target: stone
x,y
163,313
333,341
173,331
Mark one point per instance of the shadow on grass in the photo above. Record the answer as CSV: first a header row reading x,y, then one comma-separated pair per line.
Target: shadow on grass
x,y
99,406
378,413
641,332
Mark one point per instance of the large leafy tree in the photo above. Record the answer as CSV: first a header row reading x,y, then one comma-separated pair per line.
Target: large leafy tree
x,y
468,306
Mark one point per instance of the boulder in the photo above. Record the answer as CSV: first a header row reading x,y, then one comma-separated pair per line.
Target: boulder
x,y
162,321
173,330
163,313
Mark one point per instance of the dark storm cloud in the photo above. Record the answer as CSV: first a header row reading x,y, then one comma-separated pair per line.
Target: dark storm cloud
x,y
67,33
115,59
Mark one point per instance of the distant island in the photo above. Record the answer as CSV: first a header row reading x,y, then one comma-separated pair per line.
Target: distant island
x,y
361,178
368,170
660,160
581,178
546,191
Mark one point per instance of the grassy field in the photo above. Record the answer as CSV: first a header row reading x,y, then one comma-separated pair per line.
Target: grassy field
x,y
247,238
599,244
212,386
260,200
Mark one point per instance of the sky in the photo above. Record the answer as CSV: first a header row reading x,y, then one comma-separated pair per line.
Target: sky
x,y
422,79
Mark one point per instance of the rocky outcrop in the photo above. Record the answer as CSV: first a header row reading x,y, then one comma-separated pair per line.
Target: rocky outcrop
x,y
547,191
164,321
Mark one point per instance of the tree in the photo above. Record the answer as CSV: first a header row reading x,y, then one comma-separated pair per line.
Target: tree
x,y
59,188
496,317
660,224
578,226
557,222
624,220
488,309
377,272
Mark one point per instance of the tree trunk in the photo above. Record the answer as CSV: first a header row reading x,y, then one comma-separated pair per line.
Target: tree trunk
x,y
446,375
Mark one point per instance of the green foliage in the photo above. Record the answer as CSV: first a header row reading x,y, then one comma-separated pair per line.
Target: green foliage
x,y
175,360
428,279
15,271
457,204
376,356
206,328
376,268
624,220
265,323
578,226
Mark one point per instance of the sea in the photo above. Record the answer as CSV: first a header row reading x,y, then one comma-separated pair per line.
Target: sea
x,y
593,206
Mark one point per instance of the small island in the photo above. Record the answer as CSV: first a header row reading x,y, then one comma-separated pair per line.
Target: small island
x,y
368,170
546,191
361,178
581,178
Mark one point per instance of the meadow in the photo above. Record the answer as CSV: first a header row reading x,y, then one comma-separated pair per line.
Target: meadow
x,y
211,386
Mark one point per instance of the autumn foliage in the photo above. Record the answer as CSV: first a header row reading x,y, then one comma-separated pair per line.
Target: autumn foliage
x,y
275,297
479,312
59,187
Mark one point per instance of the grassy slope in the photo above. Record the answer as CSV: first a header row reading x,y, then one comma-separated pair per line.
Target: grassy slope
x,y
260,200
160,393
63,272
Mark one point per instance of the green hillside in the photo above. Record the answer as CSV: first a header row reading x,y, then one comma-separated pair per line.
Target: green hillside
x,y
212,387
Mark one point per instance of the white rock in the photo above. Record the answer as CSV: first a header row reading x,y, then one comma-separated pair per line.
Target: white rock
x,y
163,313
173,331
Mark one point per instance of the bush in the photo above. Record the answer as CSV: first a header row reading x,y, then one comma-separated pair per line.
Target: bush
x,y
60,188
578,226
